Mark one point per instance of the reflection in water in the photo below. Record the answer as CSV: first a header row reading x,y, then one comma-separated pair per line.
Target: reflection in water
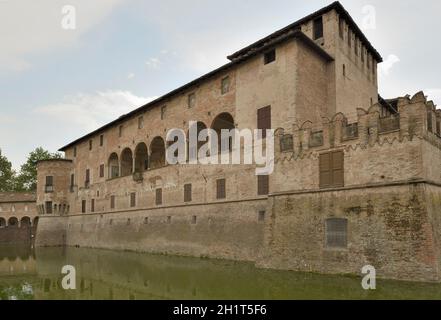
x,y
36,274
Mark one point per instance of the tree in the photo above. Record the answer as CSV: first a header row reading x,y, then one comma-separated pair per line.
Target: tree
x,y
27,179
7,175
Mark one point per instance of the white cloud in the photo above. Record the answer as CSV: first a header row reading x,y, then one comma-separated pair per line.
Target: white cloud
x,y
34,27
434,94
387,64
153,63
90,111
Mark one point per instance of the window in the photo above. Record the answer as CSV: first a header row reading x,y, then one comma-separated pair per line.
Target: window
x,y
331,167
191,100
438,128
286,143
362,55
225,85
112,202
270,56
120,133
220,189
49,207
163,111
264,120
146,220
261,216
72,182
341,26
337,233
429,121
87,182
140,122
101,140
133,200
262,185
92,205
349,38
187,193
83,206
169,220
368,59
49,184
318,28
158,197
316,139
102,171
344,70
194,220
75,151
90,144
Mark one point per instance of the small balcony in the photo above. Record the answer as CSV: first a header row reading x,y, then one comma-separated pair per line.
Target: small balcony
x,y
49,189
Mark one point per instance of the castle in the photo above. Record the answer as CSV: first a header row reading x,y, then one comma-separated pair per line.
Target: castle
x,y
355,179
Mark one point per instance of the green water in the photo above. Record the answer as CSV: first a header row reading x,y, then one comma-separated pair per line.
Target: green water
x,y
26,273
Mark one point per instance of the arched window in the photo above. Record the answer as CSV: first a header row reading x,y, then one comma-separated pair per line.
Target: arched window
x,y
13,222
141,157
157,157
113,165
221,122
126,162
199,127
25,222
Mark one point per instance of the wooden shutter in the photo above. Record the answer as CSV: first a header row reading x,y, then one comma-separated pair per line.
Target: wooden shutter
x,y
220,189
262,185
325,170
264,119
338,169
331,169
132,199
187,193
112,202
49,181
158,196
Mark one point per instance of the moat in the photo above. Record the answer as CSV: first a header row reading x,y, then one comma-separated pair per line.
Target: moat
x,y
27,273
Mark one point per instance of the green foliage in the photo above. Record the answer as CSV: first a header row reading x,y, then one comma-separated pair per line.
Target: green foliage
x,y
7,175
26,179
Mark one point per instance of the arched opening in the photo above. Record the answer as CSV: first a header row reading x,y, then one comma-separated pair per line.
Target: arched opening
x,y
126,162
2,223
199,127
157,157
35,223
141,157
113,166
221,122
13,222
25,222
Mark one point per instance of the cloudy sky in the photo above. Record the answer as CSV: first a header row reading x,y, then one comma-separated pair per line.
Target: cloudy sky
x,y
58,83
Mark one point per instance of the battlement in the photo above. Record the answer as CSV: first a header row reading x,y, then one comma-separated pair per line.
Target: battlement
x,y
416,118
